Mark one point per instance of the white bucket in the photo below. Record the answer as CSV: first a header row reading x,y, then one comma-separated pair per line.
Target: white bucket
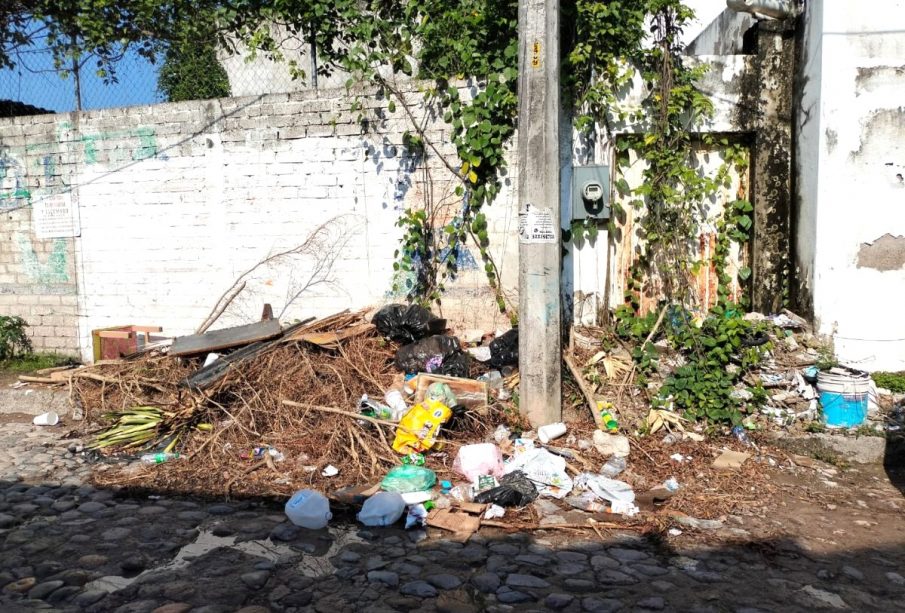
x,y
843,396
843,383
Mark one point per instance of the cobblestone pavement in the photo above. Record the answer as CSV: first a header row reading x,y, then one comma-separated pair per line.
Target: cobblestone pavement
x,y
71,547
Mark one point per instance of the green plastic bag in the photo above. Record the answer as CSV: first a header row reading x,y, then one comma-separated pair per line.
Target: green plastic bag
x,y
407,478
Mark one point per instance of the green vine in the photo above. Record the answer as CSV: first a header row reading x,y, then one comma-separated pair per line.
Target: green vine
x,y
608,47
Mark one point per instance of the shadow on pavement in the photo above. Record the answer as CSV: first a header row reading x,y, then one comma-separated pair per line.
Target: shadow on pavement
x,y
894,459
86,549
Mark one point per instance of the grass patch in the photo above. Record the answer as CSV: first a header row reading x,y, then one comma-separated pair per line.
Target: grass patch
x,y
812,448
35,361
893,381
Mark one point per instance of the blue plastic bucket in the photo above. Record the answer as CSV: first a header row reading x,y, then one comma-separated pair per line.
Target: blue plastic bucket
x,y
843,397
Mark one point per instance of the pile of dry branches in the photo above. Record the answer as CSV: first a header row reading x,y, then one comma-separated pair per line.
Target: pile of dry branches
x,y
317,428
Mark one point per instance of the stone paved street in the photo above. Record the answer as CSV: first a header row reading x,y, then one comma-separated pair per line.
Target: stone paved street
x,y
71,547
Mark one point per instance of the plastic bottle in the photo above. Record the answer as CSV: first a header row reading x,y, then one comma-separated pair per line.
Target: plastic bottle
x,y
396,402
374,409
671,484
462,493
606,420
158,458
613,467
308,509
414,459
740,434
493,379
382,509
587,501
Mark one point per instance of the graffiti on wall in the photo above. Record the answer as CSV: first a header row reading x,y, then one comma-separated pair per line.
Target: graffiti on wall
x,y
53,270
14,190
34,170
118,145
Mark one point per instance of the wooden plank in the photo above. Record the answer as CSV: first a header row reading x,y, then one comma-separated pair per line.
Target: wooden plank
x,y
115,334
331,340
225,338
210,374
53,369
30,379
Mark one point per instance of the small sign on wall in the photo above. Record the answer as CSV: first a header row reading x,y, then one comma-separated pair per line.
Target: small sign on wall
x,y
55,217
535,225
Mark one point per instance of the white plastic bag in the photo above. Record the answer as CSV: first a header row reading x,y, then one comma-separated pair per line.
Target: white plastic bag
x,y
547,471
620,494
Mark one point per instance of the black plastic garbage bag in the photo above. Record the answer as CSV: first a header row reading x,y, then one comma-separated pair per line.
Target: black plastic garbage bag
x,y
457,365
514,490
504,350
407,324
427,355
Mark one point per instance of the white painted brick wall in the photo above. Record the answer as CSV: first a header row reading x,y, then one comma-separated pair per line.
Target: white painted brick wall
x,y
178,200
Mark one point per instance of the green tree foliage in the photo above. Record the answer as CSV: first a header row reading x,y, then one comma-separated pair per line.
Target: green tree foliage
x,y
100,29
191,72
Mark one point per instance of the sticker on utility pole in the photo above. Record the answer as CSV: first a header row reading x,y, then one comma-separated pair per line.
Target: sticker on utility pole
x,y
535,55
535,225
55,217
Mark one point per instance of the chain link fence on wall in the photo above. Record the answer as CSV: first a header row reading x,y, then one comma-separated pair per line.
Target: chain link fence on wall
x,y
34,85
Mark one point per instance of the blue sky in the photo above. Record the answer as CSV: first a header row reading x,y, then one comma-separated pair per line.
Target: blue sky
x,y
34,81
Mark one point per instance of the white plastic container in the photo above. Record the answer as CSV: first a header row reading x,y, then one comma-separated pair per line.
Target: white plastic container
x,y
382,509
46,419
551,431
309,509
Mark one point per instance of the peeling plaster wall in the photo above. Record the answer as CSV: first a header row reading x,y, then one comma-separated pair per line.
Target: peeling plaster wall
x,y
594,272
851,155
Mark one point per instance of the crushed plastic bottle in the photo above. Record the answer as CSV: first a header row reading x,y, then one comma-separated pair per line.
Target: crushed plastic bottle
x,y
739,433
396,402
494,379
308,509
413,459
382,509
462,493
442,502
158,458
369,408
587,501
613,467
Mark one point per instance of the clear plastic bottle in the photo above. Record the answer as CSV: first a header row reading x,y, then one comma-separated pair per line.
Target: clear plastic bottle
x,y
308,509
493,378
158,458
587,501
396,402
462,493
613,467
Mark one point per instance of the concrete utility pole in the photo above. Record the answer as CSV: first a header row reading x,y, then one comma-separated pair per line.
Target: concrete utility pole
x,y
540,358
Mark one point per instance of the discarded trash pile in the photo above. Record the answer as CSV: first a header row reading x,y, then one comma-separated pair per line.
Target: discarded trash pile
x,y
389,414
286,407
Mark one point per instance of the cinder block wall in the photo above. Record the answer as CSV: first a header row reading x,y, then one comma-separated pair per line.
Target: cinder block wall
x,y
176,201
37,277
